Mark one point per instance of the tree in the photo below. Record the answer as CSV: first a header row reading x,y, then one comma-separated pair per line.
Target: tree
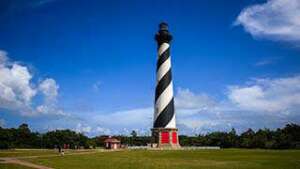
x,y
246,139
232,138
133,137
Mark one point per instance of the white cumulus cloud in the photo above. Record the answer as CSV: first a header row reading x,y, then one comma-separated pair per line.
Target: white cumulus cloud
x,y
102,130
185,99
268,95
80,128
17,90
140,117
49,88
275,19
261,102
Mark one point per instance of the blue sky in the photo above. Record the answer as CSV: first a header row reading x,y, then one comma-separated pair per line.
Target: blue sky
x,y
90,66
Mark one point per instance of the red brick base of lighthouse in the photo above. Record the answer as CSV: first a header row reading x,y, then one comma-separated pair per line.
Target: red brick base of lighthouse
x,y
166,138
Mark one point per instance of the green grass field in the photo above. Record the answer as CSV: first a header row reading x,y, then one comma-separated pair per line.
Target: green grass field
x,y
181,159
25,152
12,166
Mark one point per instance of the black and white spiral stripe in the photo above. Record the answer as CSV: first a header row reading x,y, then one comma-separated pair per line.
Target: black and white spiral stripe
x,y
164,116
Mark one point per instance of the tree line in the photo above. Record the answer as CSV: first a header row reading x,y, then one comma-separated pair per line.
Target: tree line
x,y
22,137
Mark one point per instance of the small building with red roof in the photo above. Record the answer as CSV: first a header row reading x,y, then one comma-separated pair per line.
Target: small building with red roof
x,y
112,143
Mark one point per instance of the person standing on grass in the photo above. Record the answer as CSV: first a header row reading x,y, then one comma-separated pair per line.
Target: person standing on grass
x,y
62,152
59,149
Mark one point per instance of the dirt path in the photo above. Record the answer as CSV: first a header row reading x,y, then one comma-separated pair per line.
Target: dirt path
x,y
55,155
23,163
19,161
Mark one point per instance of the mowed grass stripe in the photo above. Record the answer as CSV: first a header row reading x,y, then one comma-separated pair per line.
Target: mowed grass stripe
x,y
206,159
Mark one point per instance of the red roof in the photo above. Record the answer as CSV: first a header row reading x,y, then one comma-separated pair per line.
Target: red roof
x,y
112,140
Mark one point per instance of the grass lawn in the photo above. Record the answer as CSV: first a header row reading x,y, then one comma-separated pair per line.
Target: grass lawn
x,y
12,166
200,159
33,152
25,152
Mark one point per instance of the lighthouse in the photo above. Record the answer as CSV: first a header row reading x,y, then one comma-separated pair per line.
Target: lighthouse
x,y
164,130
